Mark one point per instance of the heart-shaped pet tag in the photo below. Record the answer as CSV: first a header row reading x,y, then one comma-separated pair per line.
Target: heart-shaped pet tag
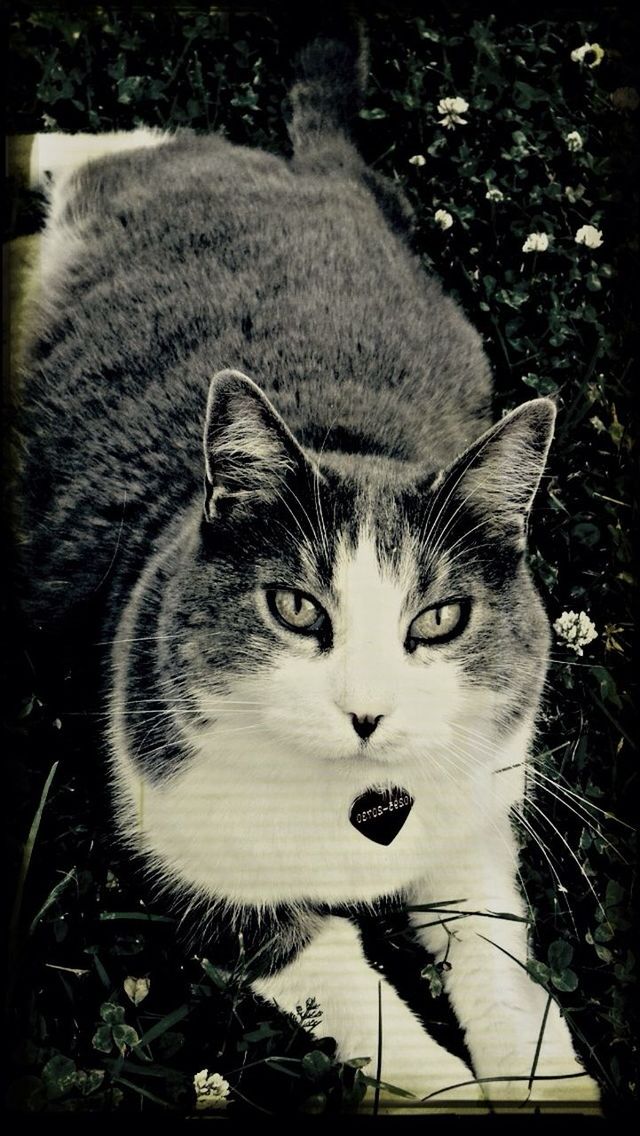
x,y
379,814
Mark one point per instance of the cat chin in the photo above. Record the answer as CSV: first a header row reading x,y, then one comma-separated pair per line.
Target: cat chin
x,y
357,759
363,768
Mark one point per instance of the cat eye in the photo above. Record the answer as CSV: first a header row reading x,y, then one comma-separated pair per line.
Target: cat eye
x,y
438,624
297,611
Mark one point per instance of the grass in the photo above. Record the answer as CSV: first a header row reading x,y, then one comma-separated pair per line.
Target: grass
x,y
559,322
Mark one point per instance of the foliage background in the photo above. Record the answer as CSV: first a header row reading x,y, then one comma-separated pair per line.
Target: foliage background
x,y
560,323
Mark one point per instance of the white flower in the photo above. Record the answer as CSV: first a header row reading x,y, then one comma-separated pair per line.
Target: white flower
x,y
575,629
590,236
574,141
211,1090
451,108
494,194
536,242
417,160
444,219
579,53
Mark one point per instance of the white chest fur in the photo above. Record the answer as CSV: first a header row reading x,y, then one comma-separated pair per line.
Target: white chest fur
x,y
276,830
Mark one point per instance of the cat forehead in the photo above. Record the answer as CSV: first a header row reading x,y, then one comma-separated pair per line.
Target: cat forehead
x,y
371,542
377,578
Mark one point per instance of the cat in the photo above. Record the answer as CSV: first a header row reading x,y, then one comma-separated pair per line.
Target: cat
x,y
325,666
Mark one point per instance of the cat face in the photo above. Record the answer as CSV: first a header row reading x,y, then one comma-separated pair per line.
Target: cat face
x,y
358,612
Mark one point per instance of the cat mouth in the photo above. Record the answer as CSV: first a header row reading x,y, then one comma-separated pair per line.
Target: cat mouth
x,y
382,751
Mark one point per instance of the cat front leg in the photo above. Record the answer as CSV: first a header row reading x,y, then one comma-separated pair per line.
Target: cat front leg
x,y
507,1017
334,971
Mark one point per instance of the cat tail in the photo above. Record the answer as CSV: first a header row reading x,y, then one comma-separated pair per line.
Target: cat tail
x,y
331,78
328,92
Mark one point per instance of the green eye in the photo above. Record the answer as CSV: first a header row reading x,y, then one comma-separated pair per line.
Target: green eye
x,y
438,624
296,610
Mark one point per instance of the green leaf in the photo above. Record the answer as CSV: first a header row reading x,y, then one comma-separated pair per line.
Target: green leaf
x,y
165,1024
103,1039
274,1063
427,33
316,1064
358,1062
89,1081
264,1031
59,1076
373,1083
373,113
26,707
111,1013
524,95
559,955
539,971
608,687
104,977
433,975
587,533
54,894
541,384
217,976
594,284
125,1037
614,894
566,980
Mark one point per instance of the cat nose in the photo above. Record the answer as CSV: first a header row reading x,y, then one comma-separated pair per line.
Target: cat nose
x,y
365,724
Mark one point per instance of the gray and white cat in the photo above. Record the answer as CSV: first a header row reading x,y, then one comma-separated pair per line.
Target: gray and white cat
x,y
346,634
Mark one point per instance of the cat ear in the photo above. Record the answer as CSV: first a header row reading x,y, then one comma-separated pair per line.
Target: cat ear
x,y
248,450
498,476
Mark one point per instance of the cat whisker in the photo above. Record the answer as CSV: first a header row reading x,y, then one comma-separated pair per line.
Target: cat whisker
x,y
585,819
472,559
532,804
510,850
134,639
538,840
536,837
533,770
188,700
111,563
434,549
584,801
211,732
318,503
171,712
